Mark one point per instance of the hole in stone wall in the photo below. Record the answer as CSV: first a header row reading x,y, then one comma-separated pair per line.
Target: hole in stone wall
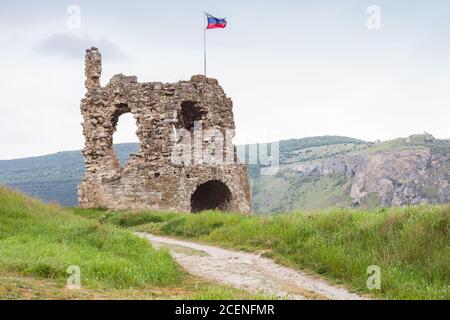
x,y
211,195
190,112
125,139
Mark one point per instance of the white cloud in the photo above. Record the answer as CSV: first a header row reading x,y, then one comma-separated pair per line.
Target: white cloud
x,y
73,44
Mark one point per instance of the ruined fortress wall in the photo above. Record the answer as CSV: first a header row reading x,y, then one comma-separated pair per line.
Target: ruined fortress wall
x,y
175,122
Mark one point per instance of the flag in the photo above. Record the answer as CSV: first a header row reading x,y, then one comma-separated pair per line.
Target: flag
x,y
214,23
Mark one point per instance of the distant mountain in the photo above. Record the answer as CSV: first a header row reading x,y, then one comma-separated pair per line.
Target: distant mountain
x,y
315,172
53,177
403,171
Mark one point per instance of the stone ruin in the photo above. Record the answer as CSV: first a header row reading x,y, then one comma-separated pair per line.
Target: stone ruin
x,y
170,172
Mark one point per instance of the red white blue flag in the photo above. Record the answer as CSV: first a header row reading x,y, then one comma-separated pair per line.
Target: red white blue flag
x,y
214,23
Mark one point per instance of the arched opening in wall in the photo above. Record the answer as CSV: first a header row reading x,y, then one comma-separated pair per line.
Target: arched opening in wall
x,y
189,113
211,195
125,140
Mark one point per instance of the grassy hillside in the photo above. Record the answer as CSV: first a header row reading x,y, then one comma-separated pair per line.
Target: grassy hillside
x,y
292,188
411,245
282,193
55,177
413,142
38,242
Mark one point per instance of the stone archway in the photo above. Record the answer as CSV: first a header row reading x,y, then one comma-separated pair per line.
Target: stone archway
x,y
122,112
211,195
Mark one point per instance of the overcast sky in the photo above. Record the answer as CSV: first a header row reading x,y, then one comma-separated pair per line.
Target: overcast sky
x,y
293,68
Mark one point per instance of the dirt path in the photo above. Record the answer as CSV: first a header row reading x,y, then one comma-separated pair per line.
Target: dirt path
x,y
248,271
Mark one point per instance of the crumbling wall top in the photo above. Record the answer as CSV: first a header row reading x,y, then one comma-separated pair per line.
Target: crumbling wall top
x,y
93,68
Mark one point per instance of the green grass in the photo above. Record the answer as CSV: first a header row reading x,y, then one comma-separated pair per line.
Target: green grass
x,y
410,244
42,241
14,286
38,242
124,219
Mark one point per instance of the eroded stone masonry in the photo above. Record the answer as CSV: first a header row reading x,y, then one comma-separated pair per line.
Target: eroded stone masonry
x,y
168,115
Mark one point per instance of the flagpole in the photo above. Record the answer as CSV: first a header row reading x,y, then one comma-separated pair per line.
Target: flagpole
x,y
204,43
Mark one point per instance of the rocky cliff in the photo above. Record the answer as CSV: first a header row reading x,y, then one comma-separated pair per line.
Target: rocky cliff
x,y
415,170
